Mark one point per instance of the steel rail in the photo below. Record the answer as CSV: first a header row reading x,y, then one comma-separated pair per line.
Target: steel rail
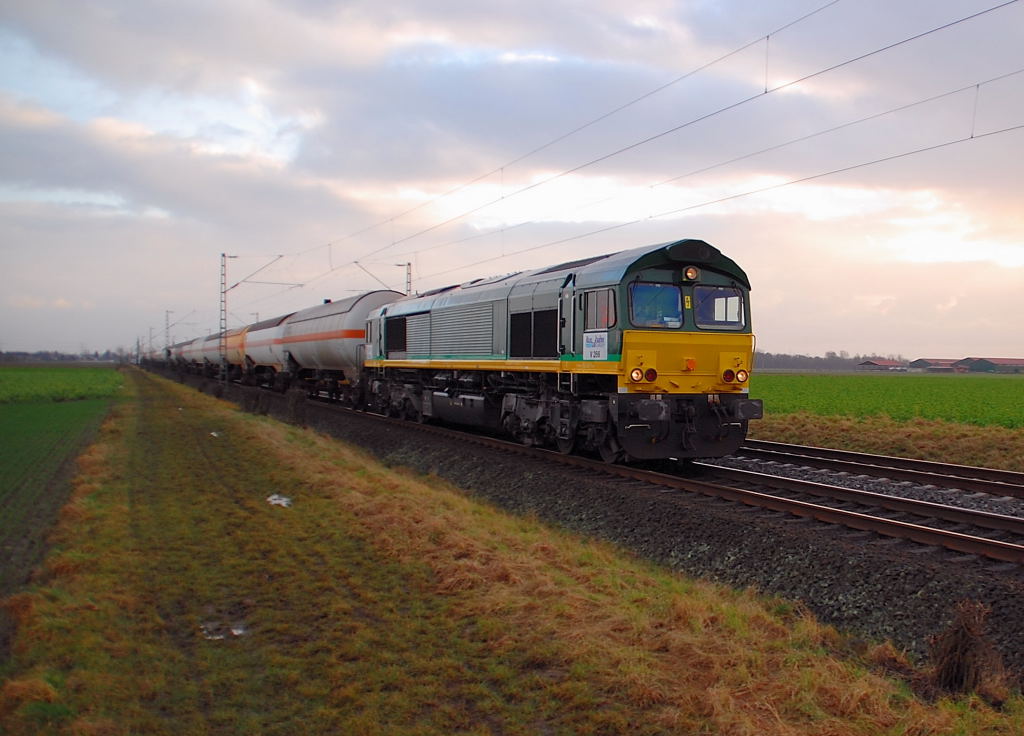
x,y
927,509
925,472
965,543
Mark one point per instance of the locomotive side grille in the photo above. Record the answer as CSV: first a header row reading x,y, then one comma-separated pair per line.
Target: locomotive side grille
x,y
464,330
418,333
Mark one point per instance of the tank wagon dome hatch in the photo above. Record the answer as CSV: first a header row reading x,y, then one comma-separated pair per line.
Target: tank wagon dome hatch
x,y
271,322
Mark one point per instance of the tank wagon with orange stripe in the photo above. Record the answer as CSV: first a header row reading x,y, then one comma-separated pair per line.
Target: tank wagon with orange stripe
x,y
323,347
320,347
264,358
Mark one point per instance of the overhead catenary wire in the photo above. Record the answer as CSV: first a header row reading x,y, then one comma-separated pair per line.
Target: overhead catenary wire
x,y
738,195
746,156
691,122
973,136
577,129
394,242
261,268
669,131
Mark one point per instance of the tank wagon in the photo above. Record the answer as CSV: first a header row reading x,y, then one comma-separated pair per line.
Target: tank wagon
x,y
320,347
639,355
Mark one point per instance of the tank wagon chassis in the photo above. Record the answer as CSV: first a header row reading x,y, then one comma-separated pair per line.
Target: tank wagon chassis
x,y
639,355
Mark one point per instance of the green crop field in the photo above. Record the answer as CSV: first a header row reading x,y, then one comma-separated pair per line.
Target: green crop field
x,y
57,383
970,399
45,415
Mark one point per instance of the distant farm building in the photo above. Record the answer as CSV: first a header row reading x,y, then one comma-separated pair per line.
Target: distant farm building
x,y
879,364
934,365
991,365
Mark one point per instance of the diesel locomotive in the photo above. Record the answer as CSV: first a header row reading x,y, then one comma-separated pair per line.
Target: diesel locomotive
x,y
643,354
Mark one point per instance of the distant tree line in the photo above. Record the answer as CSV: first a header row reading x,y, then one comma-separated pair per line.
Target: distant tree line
x,y
832,361
55,356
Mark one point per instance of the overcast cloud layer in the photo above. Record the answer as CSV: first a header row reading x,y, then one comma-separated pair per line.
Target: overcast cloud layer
x,y
874,198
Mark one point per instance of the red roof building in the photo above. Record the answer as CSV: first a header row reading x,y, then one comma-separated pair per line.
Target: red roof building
x,y
880,364
992,365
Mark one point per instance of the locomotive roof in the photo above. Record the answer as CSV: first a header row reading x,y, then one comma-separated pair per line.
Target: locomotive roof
x,y
592,272
612,269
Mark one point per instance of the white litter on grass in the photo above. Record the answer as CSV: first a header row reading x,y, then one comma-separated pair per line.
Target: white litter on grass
x,y
210,632
215,630
278,500
214,434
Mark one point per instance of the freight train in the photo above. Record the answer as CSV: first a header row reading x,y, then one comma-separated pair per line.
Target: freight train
x,y
643,354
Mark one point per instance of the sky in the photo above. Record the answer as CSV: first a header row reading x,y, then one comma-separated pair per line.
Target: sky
x,y
861,159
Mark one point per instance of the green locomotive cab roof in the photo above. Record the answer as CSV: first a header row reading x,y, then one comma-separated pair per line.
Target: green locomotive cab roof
x,y
614,268
592,272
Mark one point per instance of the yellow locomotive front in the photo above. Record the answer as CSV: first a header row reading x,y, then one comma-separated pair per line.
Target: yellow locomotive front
x,y
675,332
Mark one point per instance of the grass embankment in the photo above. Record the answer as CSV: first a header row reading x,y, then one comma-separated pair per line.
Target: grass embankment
x,y
180,601
969,420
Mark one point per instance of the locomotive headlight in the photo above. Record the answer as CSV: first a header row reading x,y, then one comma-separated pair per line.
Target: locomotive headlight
x,y
728,376
742,376
636,375
691,273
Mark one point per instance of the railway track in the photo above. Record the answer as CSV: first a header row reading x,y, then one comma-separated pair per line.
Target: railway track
x,y
991,536
923,472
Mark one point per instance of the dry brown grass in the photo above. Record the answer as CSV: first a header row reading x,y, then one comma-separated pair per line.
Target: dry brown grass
x,y
15,692
963,444
963,660
691,654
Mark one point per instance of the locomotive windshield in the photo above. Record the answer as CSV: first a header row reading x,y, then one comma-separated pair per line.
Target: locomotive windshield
x,y
719,308
655,305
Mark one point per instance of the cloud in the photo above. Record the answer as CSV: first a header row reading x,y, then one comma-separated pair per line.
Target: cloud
x,y
144,140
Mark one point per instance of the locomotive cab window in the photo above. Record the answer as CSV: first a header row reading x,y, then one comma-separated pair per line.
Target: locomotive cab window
x,y
719,308
599,309
655,305
394,335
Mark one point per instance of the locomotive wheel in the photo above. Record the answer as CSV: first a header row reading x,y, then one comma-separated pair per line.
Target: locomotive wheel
x,y
411,413
610,452
566,446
